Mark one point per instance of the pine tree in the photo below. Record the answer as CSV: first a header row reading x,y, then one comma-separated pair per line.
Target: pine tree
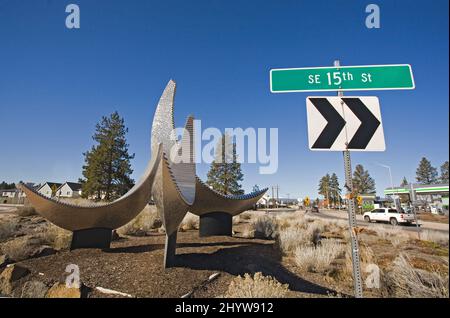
x,y
404,182
444,172
225,172
107,166
335,189
324,187
426,173
362,181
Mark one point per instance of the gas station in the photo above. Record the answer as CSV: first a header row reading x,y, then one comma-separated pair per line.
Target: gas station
x,y
434,197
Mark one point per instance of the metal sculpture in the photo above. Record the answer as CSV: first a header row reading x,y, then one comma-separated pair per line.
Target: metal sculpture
x,y
214,209
92,225
174,185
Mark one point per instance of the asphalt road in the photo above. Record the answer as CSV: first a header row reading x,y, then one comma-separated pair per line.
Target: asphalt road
x,y
335,214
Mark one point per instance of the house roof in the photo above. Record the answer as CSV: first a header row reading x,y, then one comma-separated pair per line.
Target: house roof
x,y
73,185
51,185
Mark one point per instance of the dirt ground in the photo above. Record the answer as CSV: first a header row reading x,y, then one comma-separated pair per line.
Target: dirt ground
x,y
133,265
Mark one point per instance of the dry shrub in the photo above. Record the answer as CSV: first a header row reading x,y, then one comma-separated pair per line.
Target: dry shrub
x,y
290,239
258,286
403,280
319,258
56,237
26,210
236,220
81,201
366,257
22,248
147,220
386,233
190,222
8,228
394,234
434,236
265,227
297,231
249,232
245,216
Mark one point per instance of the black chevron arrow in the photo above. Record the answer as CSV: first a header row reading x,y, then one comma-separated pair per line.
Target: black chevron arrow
x,y
369,123
334,126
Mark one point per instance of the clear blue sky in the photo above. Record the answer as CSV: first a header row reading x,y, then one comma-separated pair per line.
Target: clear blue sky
x,y
55,83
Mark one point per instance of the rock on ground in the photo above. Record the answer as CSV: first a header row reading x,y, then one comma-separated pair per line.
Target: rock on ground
x,y
60,290
9,276
34,289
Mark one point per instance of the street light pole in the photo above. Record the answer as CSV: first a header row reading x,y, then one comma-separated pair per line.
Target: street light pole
x,y
392,183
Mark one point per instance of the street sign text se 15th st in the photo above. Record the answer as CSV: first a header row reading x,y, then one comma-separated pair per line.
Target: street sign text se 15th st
x,y
345,78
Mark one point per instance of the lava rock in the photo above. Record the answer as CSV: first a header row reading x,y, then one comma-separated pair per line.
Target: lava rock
x,y
9,275
60,290
34,289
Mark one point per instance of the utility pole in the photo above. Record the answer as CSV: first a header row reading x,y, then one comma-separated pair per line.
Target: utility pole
x,y
357,280
278,198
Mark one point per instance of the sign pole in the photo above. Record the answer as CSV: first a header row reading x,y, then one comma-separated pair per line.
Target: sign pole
x,y
357,280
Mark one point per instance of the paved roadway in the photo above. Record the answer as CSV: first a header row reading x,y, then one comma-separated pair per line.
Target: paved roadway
x,y
335,214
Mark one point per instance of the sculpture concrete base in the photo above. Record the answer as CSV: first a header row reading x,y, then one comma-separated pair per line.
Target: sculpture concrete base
x,y
91,238
170,250
216,223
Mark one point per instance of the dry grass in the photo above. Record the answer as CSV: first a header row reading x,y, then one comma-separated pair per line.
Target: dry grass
x,y
80,201
265,227
26,211
190,222
258,286
434,236
8,228
403,280
147,220
319,259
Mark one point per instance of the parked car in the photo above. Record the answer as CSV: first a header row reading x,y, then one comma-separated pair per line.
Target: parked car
x,y
389,215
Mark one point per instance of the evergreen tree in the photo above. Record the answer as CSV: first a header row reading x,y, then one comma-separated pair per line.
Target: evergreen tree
x,y
404,182
335,189
225,172
7,186
324,187
362,181
444,172
107,166
426,173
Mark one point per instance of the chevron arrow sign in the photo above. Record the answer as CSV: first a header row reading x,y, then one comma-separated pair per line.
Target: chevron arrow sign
x,y
345,123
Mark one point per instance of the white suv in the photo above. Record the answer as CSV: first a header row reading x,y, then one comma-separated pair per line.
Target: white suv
x,y
388,215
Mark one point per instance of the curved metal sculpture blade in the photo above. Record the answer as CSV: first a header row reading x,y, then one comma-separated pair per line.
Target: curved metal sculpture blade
x,y
205,199
174,188
109,216
180,156
208,200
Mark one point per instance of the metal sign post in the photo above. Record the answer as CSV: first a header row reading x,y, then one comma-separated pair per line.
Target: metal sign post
x,y
357,280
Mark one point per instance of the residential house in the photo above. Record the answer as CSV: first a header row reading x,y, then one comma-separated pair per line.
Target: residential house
x,y
49,189
69,190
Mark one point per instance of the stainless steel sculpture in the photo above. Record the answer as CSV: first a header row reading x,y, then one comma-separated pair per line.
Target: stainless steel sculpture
x,y
215,210
174,185
92,225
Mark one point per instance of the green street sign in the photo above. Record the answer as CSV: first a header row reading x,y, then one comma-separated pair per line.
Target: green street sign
x,y
344,78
